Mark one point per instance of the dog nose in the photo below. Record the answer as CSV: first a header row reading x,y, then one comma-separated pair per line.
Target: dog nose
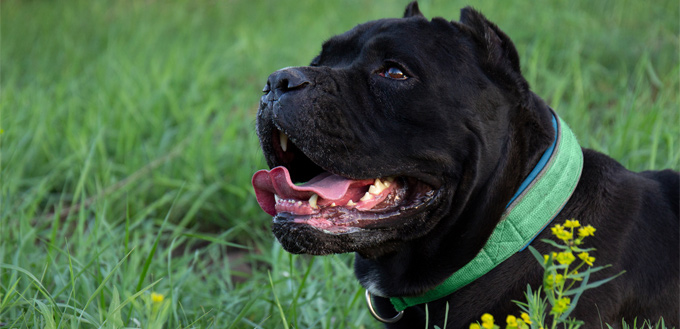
x,y
285,80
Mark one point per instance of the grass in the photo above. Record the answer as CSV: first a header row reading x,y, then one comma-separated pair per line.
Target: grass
x,y
127,147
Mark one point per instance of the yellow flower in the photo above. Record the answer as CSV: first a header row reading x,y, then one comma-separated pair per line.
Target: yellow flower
x,y
565,258
586,231
526,318
512,322
556,280
557,228
487,321
157,298
561,305
561,233
586,258
571,223
565,235
475,326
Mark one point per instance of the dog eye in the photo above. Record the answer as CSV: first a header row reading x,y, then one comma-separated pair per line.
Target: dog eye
x,y
394,73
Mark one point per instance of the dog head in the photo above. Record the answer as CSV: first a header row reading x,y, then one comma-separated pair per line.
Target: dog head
x,y
400,130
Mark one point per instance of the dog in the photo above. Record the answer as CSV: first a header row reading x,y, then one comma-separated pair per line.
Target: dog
x,y
409,142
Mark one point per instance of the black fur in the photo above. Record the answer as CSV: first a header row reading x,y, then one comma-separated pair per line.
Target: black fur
x,y
466,124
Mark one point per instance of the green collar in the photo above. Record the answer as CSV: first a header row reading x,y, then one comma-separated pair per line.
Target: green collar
x,y
539,199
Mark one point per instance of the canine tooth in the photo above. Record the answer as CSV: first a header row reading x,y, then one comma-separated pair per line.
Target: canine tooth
x,y
283,140
351,203
333,204
312,200
366,196
276,198
377,187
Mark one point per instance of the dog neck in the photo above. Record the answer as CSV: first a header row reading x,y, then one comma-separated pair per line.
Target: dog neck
x,y
538,200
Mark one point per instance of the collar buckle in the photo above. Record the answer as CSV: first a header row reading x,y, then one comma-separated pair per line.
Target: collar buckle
x,y
369,302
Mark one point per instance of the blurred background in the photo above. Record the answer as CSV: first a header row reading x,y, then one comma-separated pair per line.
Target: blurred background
x,y
127,145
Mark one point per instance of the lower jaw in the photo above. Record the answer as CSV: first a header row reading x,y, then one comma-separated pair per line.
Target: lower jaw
x,y
344,221
324,225
340,219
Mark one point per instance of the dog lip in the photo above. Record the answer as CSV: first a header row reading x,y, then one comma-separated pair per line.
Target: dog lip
x,y
367,221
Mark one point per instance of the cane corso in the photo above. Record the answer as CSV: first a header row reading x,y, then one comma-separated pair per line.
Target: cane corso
x,y
407,141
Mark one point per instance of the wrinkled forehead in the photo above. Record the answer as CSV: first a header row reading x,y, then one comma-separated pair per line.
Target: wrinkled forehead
x,y
392,37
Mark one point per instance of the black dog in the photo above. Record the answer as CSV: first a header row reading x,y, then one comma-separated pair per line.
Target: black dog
x,y
414,137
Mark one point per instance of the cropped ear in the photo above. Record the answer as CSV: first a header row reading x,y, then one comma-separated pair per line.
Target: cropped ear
x,y
499,48
412,10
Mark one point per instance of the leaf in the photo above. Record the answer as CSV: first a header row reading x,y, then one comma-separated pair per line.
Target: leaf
x,y
595,284
35,281
555,244
214,240
115,318
538,256
590,270
579,250
278,304
582,288
131,298
101,285
427,317
577,295
244,311
149,257
47,315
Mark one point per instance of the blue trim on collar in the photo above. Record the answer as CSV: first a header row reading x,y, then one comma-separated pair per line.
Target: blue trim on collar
x,y
539,166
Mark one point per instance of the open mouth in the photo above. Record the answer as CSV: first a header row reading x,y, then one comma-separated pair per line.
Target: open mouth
x,y
299,191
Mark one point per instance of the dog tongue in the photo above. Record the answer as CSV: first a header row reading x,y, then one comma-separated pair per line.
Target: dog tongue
x,y
277,181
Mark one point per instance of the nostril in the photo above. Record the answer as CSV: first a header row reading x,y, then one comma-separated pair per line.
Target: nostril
x,y
297,84
286,80
283,84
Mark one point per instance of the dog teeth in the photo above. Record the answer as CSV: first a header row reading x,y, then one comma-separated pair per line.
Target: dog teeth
x,y
277,198
283,140
378,186
351,203
366,196
312,201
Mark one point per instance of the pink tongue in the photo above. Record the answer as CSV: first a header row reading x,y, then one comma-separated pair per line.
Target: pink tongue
x,y
277,181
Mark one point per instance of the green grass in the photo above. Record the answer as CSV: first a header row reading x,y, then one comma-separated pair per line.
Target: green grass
x,y
128,144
